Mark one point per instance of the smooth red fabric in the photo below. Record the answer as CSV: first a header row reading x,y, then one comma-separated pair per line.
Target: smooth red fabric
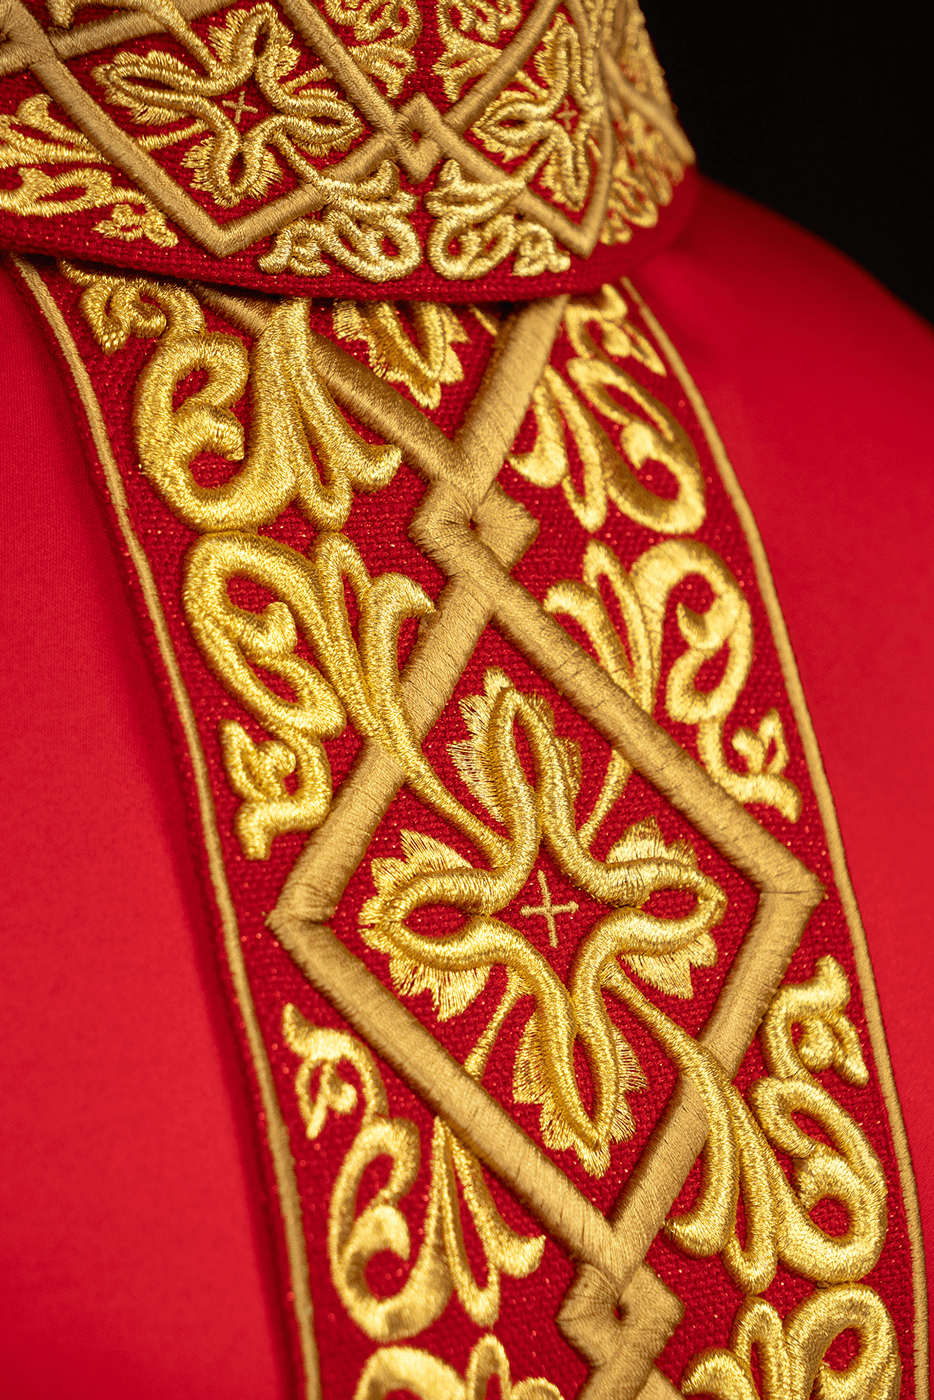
x,y
820,384
134,1258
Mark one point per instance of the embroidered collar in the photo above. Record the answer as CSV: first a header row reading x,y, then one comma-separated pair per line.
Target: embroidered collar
x,y
446,151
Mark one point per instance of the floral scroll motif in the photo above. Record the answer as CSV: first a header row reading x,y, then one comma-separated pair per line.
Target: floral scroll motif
x,y
428,1378
839,1165
642,595
455,969
356,1235
792,1353
228,162
320,656
32,140
573,141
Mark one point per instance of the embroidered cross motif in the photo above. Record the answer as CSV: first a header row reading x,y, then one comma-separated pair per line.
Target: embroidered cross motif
x,y
239,107
347,143
547,910
566,115
617,1312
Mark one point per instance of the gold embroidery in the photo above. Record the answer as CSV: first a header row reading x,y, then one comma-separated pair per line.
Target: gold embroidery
x,y
777,1214
610,474
455,969
356,223
227,162
545,100
555,121
618,334
788,892
651,148
357,679
77,185
540,1080
645,174
464,58
296,1255
547,910
117,307
827,1040
428,1378
474,232
385,31
541,1074
642,595
791,1355
424,364
295,421
442,1265
301,446
557,114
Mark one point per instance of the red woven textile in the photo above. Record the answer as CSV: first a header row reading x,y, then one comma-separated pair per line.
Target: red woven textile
x,y
168,1311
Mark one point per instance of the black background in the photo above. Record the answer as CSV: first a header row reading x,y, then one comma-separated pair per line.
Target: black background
x,y
822,111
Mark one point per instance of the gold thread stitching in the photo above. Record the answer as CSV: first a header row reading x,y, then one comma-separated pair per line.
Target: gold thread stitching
x,y
428,1378
777,1214
76,187
358,679
454,969
642,595
283,1167
158,88
441,1265
347,210
609,475
473,230
799,1090
476,485
791,1354
296,423
356,223
422,366
832,830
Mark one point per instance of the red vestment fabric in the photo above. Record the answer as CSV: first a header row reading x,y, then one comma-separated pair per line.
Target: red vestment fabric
x,y
133,1233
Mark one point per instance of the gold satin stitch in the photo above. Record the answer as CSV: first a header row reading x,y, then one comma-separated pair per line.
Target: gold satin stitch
x,y
356,1235
572,136
611,475
642,595
302,448
31,139
355,679
792,1353
455,969
428,1378
423,365
740,1161
778,1224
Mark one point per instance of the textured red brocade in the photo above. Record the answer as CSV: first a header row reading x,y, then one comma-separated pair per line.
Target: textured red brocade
x,y
134,1250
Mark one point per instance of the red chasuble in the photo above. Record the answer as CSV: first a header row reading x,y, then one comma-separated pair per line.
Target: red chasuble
x,y
432,967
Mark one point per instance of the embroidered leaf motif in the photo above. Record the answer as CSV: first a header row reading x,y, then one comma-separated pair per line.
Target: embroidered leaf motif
x,y
419,1373
828,1039
424,364
557,112
669,971
356,224
534,1082
452,991
80,186
567,1020
478,759
252,46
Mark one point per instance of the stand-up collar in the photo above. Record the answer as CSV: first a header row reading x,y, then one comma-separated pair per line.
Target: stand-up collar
x,y
453,150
